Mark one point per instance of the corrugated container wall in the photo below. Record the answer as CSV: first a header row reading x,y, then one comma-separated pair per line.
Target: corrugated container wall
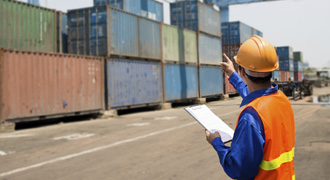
x,y
229,88
62,32
27,27
105,31
181,82
237,32
35,84
179,45
209,49
231,51
210,81
196,16
149,39
132,83
298,76
283,76
146,8
284,53
286,65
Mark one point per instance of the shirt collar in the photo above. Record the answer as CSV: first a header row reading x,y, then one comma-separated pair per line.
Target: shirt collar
x,y
263,92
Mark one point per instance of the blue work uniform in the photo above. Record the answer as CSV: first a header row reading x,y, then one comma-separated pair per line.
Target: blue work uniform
x,y
242,159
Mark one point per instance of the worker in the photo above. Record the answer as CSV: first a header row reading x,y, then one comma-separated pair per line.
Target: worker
x,y
263,142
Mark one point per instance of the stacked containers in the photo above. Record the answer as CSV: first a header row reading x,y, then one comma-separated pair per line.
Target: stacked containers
x,y
180,63
146,8
204,19
132,46
285,55
27,27
105,31
298,66
233,35
39,85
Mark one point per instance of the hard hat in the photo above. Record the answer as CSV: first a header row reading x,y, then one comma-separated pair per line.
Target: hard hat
x,y
257,55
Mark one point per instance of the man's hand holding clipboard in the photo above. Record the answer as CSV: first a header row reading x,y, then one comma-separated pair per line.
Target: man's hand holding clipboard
x,y
211,122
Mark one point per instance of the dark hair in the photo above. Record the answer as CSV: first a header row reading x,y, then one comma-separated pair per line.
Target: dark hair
x,y
257,80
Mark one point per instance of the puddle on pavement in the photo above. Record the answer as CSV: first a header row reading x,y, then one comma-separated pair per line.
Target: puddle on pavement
x,y
323,99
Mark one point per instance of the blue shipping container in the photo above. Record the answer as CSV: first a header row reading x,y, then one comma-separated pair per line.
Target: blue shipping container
x,y
196,16
146,8
209,49
132,83
276,75
210,81
286,65
103,32
181,82
149,38
237,32
284,52
298,66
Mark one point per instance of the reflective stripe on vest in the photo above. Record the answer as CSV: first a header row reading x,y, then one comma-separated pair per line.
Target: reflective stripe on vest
x,y
276,163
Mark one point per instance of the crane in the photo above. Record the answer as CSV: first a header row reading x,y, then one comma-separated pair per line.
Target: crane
x,y
224,6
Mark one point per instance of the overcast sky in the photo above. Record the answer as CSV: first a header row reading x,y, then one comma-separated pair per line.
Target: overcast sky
x,y
301,24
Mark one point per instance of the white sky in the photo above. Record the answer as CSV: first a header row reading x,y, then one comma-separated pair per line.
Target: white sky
x,y
301,24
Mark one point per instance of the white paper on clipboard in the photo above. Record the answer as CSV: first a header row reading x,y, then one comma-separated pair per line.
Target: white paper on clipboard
x,y
210,121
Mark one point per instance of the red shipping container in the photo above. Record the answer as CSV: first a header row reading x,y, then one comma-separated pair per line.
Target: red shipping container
x,y
36,85
229,89
297,76
283,76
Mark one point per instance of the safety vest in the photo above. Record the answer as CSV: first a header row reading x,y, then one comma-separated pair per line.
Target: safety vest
x,y
277,117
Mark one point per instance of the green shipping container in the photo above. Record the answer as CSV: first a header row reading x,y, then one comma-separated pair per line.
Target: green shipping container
x,y
298,56
179,45
27,27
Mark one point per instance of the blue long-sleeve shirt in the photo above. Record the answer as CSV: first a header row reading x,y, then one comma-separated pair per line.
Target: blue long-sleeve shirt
x,y
242,159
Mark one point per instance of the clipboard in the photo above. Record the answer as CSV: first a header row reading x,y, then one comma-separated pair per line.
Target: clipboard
x,y
205,117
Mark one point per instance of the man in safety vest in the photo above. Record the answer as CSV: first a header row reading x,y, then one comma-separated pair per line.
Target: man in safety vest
x,y
263,142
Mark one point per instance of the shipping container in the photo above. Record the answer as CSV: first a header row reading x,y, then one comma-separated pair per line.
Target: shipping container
x,y
146,8
27,27
179,45
210,81
283,76
276,76
196,16
149,39
291,76
209,49
286,65
105,31
298,66
229,88
237,32
298,56
231,51
62,32
298,76
284,53
38,85
181,82
133,83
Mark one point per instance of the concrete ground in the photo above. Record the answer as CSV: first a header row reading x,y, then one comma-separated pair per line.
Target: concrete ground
x,y
150,145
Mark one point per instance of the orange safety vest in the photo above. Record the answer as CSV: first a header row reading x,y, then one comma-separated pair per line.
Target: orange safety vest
x,y
277,117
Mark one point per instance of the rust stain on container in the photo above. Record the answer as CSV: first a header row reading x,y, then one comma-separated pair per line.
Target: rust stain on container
x,y
35,84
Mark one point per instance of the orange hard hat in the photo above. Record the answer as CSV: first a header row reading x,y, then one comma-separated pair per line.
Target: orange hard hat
x,y
257,54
